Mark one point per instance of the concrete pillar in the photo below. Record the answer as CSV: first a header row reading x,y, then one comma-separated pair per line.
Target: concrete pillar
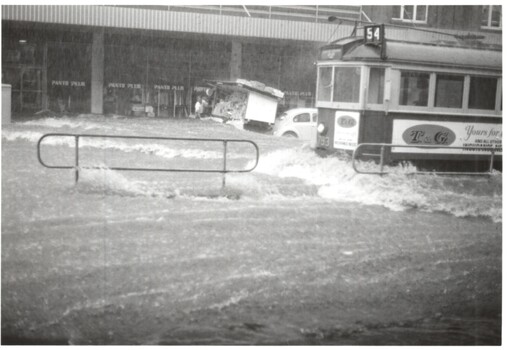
x,y
45,98
236,58
6,103
97,79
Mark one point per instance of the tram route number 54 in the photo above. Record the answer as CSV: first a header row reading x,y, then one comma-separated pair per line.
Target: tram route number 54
x,y
374,34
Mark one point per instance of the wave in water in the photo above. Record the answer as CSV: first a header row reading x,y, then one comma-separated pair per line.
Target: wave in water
x,y
294,173
300,174
336,180
157,149
81,122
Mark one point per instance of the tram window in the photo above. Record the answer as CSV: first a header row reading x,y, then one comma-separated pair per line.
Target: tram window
x,y
347,80
482,93
414,89
376,85
325,84
449,90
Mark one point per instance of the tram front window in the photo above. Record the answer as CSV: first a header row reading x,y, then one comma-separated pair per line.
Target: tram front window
x,y
414,89
376,86
325,84
347,83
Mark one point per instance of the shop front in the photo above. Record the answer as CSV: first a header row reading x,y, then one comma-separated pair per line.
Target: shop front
x,y
69,72
47,69
286,67
298,99
23,68
141,72
158,76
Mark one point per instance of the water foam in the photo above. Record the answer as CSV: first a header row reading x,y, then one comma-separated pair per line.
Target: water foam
x,y
336,180
328,178
295,174
107,181
12,135
115,144
81,122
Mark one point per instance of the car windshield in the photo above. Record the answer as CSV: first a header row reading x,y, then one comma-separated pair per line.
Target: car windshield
x,y
283,116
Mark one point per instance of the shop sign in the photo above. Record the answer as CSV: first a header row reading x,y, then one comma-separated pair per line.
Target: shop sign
x,y
124,86
346,130
72,83
456,134
169,87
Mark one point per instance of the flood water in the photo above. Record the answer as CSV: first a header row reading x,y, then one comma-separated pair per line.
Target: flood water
x,y
302,250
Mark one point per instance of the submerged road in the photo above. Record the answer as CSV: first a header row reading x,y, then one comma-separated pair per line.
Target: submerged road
x,y
150,259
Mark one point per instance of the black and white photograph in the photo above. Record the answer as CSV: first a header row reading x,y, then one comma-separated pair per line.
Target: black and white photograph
x,y
238,174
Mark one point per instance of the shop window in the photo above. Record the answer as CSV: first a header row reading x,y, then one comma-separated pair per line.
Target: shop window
x,y
414,89
410,13
482,93
347,83
449,91
12,77
22,69
491,16
376,85
325,84
302,118
68,70
21,53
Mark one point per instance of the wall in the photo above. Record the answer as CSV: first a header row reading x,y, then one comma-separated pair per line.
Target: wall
x,y
455,17
439,17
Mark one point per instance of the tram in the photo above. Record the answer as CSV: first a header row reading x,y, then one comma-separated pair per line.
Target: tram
x,y
439,103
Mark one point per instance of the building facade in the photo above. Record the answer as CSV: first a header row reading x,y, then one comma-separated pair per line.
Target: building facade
x,y
105,59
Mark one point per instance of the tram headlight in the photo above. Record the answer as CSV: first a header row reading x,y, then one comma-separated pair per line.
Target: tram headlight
x,y
322,129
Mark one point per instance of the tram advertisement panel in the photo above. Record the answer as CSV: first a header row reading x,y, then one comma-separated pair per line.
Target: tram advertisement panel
x,y
454,134
346,130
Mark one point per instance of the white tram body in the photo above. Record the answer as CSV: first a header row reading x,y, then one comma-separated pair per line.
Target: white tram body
x,y
407,93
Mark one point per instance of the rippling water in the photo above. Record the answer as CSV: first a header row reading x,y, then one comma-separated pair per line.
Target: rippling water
x,y
333,178
300,251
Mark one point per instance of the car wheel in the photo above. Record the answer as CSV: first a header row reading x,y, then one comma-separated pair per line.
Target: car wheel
x,y
290,134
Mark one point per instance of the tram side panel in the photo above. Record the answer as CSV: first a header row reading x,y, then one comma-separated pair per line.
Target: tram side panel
x,y
475,134
344,130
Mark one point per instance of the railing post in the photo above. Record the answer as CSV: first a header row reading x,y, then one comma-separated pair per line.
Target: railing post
x,y
76,159
354,158
382,159
224,164
492,158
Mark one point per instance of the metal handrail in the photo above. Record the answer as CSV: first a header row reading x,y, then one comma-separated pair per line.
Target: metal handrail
x,y
492,150
77,137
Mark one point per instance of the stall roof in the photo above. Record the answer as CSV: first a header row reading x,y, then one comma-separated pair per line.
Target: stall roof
x,y
253,86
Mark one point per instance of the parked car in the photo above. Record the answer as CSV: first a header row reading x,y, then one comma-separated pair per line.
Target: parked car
x,y
298,122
